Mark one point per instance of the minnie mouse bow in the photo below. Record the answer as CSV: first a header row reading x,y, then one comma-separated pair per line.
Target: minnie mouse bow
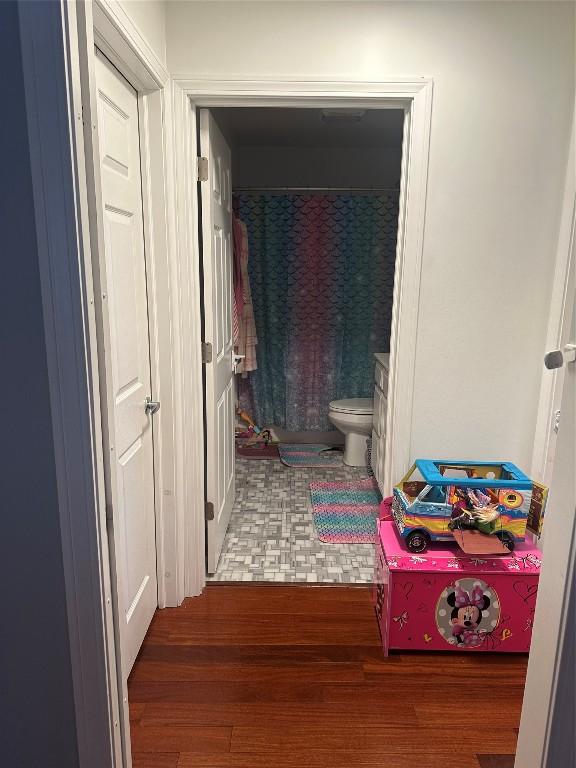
x,y
475,598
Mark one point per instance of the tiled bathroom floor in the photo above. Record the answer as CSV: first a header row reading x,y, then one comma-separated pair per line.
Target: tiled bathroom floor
x,y
271,536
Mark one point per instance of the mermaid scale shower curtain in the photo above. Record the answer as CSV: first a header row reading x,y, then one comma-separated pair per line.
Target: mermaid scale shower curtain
x,y
322,276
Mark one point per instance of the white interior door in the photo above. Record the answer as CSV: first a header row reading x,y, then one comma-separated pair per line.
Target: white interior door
x,y
547,696
553,632
220,397
132,527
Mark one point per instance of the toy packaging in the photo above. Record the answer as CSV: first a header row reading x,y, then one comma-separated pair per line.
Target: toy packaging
x,y
484,507
446,600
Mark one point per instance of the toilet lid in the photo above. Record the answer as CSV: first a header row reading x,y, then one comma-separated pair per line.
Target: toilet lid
x,y
359,405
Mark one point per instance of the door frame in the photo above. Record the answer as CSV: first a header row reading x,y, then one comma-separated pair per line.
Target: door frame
x,y
414,96
59,63
562,293
106,25
551,635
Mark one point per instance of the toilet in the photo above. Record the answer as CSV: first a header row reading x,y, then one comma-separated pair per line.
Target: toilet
x,y
353,417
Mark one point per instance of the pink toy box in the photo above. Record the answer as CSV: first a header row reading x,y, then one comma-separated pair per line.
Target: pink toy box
x,y
448,601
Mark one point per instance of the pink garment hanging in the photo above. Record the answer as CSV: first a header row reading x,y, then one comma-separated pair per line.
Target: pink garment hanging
x,y
238,288
244,326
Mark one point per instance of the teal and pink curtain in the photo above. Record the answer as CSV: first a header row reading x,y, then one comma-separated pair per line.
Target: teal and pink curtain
x,y
322,275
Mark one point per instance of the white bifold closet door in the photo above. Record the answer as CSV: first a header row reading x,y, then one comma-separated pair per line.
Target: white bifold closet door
x,y
131,518
217,246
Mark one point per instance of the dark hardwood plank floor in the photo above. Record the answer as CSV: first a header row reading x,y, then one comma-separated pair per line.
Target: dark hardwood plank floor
x,y
294,677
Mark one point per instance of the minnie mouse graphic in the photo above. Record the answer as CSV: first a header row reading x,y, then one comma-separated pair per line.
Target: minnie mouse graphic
x,y
467,614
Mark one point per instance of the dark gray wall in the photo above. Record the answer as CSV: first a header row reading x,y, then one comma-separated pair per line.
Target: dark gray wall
x,y
37,720
316,167
287,147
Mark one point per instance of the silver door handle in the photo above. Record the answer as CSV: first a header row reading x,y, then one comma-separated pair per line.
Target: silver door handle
x,y
151,406
236,360
558,357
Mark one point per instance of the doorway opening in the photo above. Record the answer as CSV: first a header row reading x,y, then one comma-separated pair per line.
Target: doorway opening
x,y
299,229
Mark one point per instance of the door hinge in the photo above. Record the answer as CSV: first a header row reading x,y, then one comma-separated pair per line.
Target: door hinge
x,y
206,352
209,510
202,167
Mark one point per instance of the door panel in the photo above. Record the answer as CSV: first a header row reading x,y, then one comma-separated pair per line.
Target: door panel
x,y
547,723
217,266
132,527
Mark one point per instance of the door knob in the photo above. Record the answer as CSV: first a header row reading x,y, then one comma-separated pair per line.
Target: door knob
x,y
151,406
558,357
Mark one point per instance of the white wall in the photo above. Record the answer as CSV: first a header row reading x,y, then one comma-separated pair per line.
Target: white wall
x,y
150,18
503,96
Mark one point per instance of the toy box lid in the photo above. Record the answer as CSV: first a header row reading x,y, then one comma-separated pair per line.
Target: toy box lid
x,y
430,469
526,558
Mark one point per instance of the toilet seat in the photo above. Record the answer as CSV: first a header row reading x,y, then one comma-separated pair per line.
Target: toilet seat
x,y
362,406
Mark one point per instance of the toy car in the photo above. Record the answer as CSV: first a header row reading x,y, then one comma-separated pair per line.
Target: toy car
x,y
438,499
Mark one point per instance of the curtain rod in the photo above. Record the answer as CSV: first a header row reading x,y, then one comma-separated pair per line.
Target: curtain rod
x,y
315,189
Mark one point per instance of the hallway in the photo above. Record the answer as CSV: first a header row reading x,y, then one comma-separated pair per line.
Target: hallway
x,y
294,677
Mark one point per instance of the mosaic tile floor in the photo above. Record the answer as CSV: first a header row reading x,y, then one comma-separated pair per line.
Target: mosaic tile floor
x,y
271,536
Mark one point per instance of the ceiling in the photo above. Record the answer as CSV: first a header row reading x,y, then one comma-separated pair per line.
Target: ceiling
x,y
276,127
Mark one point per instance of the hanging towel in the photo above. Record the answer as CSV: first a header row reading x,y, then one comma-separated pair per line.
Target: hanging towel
x,y
244,326
238,287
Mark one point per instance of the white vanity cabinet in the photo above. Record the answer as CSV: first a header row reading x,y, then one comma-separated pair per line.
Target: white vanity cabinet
x,y
379,419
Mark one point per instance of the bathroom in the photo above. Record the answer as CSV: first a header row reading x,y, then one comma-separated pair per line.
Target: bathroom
x,y
315,204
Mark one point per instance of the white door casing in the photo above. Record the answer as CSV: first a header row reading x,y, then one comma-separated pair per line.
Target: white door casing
x,y
220,398
552,633
563,292
130,469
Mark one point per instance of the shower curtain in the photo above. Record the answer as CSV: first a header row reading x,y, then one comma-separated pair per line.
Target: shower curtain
x,y
322,274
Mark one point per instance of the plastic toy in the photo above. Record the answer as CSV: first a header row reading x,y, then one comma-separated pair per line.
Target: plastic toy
x,y
483,506
255,433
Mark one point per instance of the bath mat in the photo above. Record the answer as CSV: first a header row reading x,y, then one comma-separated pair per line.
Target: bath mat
x,y
304,455
346,512
257,451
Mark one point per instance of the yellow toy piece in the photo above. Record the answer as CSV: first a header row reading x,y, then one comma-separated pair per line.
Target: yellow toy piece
x,y
510,499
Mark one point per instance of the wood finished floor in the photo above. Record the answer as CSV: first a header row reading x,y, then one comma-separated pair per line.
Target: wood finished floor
x,y
294,677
